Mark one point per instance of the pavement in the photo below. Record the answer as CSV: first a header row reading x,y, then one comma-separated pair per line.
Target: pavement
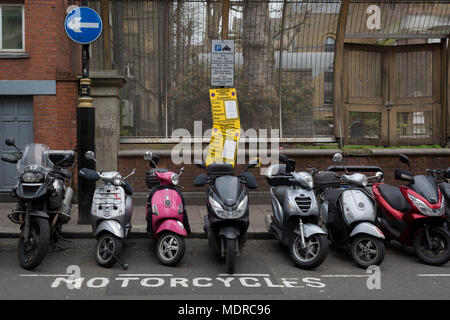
x,y
263,271
257,228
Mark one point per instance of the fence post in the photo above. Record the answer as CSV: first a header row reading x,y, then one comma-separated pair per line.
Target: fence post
x,y
337,73
225,15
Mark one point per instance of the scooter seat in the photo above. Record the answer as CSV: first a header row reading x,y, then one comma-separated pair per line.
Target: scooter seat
x,y
445,189
394,197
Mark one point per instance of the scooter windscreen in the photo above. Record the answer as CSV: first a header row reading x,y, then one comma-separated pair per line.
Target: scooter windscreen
x,y
228,188
426,187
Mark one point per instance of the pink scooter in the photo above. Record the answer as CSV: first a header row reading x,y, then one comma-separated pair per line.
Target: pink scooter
x,y
166,216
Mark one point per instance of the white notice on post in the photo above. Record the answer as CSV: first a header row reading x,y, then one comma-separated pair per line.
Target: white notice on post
x,y
229,149
231,109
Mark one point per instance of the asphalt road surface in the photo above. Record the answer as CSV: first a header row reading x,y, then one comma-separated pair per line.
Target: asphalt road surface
x,y
263,271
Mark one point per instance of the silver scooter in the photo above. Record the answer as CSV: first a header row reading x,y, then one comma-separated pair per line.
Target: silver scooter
x,y
111,212
295,217
349,212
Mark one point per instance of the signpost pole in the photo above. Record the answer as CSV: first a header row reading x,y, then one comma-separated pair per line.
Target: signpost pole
x,y
84,25
85,138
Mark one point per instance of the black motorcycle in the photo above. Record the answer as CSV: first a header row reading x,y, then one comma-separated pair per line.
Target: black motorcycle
x,y
43,198
228,210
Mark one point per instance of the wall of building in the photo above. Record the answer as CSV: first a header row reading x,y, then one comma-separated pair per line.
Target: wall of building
x,y
50,56
320,159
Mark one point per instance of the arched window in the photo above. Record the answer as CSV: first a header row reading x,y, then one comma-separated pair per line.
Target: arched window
x,y
329,44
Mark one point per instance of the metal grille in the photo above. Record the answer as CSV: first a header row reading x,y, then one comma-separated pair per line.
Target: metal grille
x,y
284,59
304,203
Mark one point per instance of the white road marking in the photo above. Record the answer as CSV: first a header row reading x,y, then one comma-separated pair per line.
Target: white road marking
x,y
434,275
145,275
345,276
45,275
243,275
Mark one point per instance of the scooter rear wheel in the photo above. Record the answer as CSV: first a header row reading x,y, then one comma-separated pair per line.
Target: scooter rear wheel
x,y
107,247
170,248
367,251
440,239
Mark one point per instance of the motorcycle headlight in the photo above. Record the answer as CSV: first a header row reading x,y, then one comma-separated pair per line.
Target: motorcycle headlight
x,y
364,181
118,180
426,210
219,211
30,177
229,214
175,179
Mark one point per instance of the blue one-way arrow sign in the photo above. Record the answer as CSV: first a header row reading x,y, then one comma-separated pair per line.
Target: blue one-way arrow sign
x,y
83,25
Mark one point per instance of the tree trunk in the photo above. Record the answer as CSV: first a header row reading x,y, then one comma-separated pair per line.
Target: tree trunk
x,y
259,63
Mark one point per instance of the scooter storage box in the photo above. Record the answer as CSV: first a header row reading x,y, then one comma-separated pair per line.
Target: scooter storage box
x,y
277,176
151,179
326,179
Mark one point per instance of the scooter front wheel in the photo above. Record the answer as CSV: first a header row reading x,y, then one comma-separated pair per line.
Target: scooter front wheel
x,y
367,251
107,247
439,252
170,248
310,256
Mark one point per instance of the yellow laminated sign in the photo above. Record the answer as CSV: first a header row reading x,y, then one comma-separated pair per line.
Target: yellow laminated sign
x,y
226,128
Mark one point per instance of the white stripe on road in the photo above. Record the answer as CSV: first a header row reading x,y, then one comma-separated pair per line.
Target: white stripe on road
x,y
244,275
45,275
145,275
434,275
344,275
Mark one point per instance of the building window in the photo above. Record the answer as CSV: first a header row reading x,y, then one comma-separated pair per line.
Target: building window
x,y
329,44
328,86
12,28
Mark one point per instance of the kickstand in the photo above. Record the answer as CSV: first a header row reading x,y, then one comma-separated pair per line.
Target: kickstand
x,y
121,262
58,248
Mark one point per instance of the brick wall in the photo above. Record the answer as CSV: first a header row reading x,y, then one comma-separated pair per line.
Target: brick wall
x,y
52,56
387,163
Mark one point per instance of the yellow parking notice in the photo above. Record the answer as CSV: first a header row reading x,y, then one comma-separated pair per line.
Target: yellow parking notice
x,y
227,126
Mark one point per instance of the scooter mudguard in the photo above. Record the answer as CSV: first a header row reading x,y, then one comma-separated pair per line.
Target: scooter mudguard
x,y
309,229
172,225
367,228
229,232
111,226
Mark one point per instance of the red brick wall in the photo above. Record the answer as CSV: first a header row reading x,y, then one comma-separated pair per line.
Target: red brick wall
x,y
387,163
53,56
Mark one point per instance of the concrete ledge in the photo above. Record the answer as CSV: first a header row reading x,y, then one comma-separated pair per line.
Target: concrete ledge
x,y
313,152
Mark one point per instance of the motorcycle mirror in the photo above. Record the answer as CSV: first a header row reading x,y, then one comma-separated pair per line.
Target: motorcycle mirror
x,y
148,156
131,173
337,158
181,171
10,142
200,164
403,158
90,155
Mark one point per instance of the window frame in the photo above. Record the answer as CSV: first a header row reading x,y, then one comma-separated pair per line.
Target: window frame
x,y
22,50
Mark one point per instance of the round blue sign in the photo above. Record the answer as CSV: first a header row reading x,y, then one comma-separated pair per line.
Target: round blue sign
x,y
83,25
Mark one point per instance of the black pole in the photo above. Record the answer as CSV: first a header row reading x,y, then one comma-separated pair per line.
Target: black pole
x,y
85,139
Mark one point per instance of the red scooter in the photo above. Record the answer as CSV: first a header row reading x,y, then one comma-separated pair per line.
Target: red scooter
x,y
414,214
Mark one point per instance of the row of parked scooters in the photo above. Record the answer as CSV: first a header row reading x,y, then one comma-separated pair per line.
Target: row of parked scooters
x,y
352,211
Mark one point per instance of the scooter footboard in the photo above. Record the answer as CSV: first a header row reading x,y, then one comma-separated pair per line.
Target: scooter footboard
x,y
367,228
172,225
111,226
